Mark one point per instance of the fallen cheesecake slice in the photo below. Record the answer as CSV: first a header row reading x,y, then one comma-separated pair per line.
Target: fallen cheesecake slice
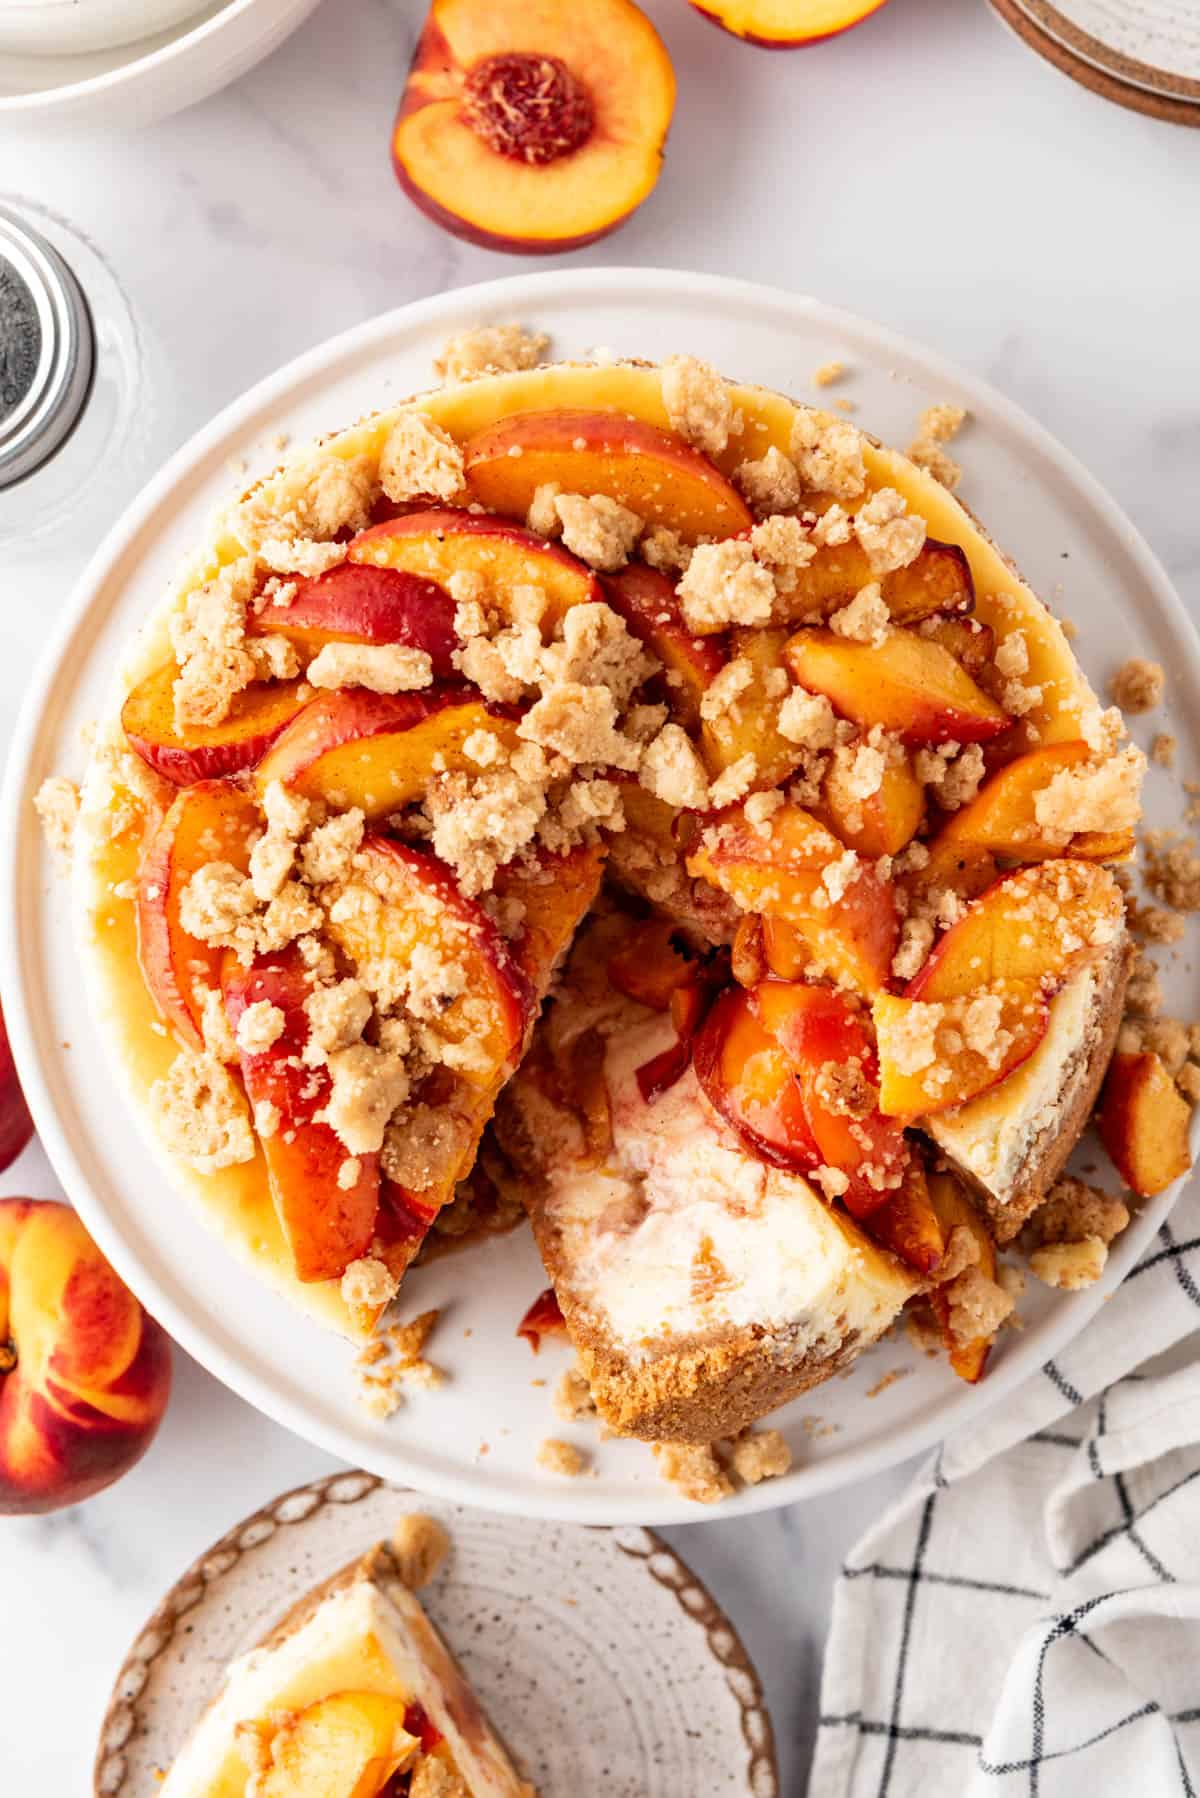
x,y
353,1695
702,1287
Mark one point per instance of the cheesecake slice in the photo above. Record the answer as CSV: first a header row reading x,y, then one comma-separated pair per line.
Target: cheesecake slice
x,y
701,1286
353,1695
1012,1142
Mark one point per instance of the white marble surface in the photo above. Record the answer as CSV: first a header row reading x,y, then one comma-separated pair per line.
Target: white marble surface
x,y
923,169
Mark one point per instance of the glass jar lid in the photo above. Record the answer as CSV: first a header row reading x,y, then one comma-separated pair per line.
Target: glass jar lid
x,y
47,350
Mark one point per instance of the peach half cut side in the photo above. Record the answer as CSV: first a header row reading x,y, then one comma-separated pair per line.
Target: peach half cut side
x,y
652,471
786,24
530,125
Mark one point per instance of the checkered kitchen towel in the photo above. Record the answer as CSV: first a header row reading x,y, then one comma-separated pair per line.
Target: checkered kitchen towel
x,y
1025,1620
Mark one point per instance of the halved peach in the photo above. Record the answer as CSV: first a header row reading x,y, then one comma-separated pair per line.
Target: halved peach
x,y
349,1744
778,873
325,1224
751,726
955,1211
886,821
487,1001
379,750
527,125
211,821
439,543
354,603
785,24
1038,923
959,1070
936,583
646,601
206,751
907,683
1143,1121
652,471
907,1224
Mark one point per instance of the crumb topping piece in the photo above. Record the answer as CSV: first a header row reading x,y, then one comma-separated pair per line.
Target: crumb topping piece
x,y
828,454
420,1545
723,585
380,667
562,1458
699,404
201,1113
599,530
1137,685
489,350
420,460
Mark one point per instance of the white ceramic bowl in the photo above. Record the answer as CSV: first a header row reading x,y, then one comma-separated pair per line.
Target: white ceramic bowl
x,y
194,48
475,1440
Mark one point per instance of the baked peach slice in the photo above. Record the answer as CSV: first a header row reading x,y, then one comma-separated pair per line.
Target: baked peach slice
x,y
646,601
1012,1014
936,583
652,471
751,725
379,750
1039,923
909,684
907,1224
326,1225
968,640
955,1211
779,874
1143,1121
362,603
351,1743
206,751
883,823
437,544
1002,818
211,821
786,24
539,149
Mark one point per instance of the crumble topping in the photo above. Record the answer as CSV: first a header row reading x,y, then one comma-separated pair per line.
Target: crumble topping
x,y
1074,1213
807,719
828,454
201,1114
735,782
891,535
57,805
542,517
936,427
866,619
420,1545
599,530
694,1471
783,545
1137,685
208,637
672,770
260,1025
828,373
699,404
561,1458
432,1778
722,694
977,1306
573,1397
1162,749
761,1455
420,460
368,1284
723,585
1093,796
1070,1265
380,667
665,549
489,350
769,484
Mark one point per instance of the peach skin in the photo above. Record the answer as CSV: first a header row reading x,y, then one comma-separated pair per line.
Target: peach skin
x,y
16,1125
208,751
85,1373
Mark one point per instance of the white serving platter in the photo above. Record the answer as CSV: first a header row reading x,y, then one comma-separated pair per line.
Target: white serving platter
x,y
475,1440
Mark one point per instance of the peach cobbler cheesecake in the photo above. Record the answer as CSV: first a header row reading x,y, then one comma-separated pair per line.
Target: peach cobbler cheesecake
x,y
666,786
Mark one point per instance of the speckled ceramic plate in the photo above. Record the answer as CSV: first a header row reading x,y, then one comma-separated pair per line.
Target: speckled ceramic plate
x,y
597,1654
475,1440
1144,54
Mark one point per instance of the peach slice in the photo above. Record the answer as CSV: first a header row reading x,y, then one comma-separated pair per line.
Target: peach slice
x,y
487,1001
955,1211
353,603
937,582
748,1079
779,874
969,642
379,750
886,821
440,543
16,1125
555,893
325,1224
907,683
646,601
751,726
648,966
211,821
535,149
653,472
1002,819
1143,1121
785,24
348,1745
1039,923
907,1224
958,1070
85,1373
209,751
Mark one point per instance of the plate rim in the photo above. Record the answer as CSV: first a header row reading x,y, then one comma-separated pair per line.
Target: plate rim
x,y
1151,102
208,1567
1107,59
528,292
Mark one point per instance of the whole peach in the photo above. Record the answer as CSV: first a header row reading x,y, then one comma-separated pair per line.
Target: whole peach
x,y
85,1373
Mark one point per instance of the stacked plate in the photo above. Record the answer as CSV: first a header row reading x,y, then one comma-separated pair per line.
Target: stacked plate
x,y
1144,54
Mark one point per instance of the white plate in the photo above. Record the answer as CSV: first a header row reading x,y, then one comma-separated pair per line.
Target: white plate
x,y
1153,44
1071,541
597,1654
135,84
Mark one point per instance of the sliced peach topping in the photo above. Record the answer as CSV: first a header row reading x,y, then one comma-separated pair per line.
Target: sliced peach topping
x,y
529,125
749,1080
936,1054
969,642
907,683
751,725
206,751
649,966
651,471
646,601
379,750
213,821
351,603
1002,818
954,1212
1143,1121
440,543
785,24
883,823
326,1225
348,1745
795,870
1039,923
907,1223
935,583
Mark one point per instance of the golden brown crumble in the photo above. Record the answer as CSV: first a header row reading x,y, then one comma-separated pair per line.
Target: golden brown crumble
x,y
935,428
828,454
694,1471
201,1114
665,549
432,1778
573,1397
672,770
260,1025
891,535
1173,872
379,667
420,1545
769,484
561,1458
1162,749
420,460
1070,1265
1137,685
977,1306
807,719
57,805
367,1282
866,619
724,585
208,637
760,1455
1094,796
599,530
699,403
489,350
828,373
1073,1212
